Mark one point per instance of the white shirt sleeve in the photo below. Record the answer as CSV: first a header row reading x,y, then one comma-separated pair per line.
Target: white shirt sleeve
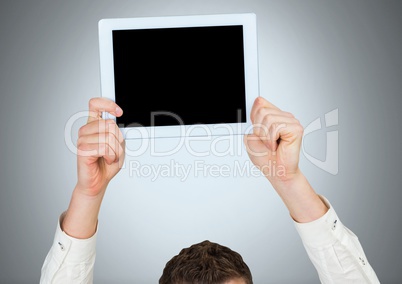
x,y
69,260
335,251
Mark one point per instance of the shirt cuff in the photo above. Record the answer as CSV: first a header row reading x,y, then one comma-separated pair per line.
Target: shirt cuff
x,y
71,249
322,232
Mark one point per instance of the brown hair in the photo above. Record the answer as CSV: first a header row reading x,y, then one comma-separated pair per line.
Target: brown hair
x,y
205,263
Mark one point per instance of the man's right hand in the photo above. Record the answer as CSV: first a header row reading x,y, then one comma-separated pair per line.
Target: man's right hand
x,y
100,148
100,157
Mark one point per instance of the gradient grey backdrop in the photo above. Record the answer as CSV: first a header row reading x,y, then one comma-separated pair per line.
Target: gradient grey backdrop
x,y
314,56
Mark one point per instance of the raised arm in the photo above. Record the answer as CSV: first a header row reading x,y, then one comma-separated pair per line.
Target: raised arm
x,y
100,156
333,249
276,141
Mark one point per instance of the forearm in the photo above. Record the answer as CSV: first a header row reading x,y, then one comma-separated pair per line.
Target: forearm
x,y
81,219
302,201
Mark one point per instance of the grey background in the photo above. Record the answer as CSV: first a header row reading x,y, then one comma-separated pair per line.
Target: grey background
x,y
315,56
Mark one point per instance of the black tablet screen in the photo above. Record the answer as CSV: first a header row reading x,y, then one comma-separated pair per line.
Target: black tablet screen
x,y
173,76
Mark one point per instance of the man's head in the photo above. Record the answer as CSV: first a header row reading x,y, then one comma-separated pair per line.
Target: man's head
x,y
206,263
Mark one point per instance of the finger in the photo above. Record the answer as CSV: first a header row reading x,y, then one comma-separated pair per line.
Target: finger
x,y
264,111
111,151
266,118
261,113
104,138
260,102
283,133
273,136
99,105
254,145
101,126
271,127
96,150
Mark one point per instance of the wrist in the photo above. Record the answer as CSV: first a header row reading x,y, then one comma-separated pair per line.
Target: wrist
x,y
90,192
288,180
81,218
299,197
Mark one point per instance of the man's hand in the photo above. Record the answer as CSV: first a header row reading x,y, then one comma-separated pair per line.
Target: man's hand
x,y
100,148
274,147
100,157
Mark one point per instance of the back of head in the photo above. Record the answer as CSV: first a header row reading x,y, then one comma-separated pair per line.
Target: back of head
x,y
206,263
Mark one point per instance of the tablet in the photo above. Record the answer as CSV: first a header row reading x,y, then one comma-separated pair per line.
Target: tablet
x,y
180,76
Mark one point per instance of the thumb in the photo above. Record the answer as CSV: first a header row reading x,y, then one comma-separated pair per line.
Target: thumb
x,y
99,105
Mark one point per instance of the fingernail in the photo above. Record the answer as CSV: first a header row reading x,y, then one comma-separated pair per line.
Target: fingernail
x,y
119,111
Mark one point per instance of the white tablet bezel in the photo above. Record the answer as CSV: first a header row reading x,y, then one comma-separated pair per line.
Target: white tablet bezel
x,y
247,20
